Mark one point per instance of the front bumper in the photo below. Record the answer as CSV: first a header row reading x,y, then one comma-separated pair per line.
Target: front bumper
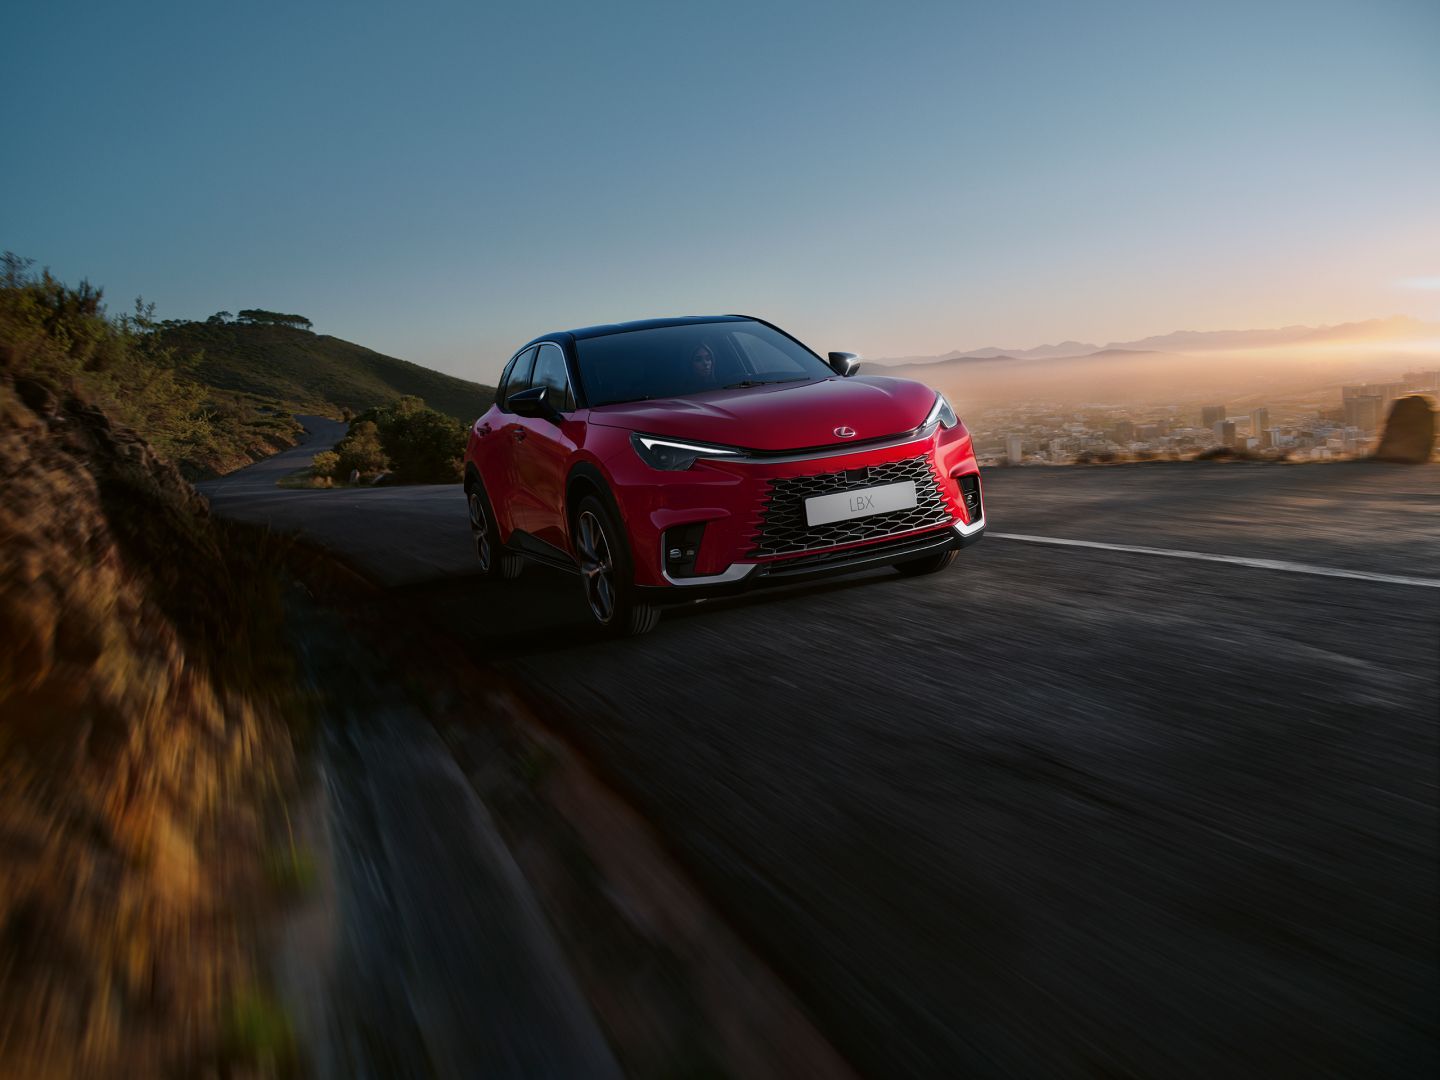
x,y
743,577
750,533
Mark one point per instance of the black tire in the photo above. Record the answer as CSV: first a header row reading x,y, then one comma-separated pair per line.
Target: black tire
x,y
930,564
496,563
607,572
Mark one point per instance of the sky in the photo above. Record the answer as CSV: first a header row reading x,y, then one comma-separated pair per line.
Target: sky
x,y
442,182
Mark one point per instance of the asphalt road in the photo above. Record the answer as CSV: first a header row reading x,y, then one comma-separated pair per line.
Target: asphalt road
x,y
1061,811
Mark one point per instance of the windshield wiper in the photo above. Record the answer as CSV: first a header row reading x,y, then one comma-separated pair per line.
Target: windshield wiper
x,y
747,383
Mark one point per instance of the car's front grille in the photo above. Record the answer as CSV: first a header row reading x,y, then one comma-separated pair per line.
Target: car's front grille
x,y
783,529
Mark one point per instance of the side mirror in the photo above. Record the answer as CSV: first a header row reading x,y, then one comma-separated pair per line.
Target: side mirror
x,y
844,364
533,403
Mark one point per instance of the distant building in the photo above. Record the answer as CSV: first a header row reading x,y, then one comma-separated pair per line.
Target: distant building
x,y
1260,428
1210,414
1123,432
1425,382
1364,411
1013,449
1384,391
1224,432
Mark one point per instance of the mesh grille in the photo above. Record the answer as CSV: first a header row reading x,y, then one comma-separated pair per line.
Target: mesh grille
x,y
783,530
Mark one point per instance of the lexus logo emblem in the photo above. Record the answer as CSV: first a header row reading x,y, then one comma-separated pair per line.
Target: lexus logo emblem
x,y
845,432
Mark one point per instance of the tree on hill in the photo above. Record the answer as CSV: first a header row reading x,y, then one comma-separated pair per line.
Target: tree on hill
x,y
261,317
220,318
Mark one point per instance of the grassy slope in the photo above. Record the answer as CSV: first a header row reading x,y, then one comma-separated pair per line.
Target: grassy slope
x,y
317,371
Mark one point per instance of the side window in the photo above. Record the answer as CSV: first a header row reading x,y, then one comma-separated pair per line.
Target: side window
x,y
765,358
515,379
503,385
550,372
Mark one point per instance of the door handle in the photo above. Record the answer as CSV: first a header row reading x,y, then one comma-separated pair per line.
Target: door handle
x,y
517,434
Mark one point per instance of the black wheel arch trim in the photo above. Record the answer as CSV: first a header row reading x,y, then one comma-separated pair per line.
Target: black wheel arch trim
x,y
587,475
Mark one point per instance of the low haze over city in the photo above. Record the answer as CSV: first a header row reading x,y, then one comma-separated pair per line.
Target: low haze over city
x,y
1299,393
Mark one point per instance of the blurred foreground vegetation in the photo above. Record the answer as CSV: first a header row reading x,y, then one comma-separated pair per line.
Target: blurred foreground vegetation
x,y
149,702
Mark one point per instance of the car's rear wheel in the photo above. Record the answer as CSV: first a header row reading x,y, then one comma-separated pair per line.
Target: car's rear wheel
x,y
930,564
495,561
607,572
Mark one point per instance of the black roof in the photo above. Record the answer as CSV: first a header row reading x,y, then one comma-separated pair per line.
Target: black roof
x,y
639,324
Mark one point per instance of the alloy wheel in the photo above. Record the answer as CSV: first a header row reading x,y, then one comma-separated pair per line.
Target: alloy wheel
x,y
597,568
480,530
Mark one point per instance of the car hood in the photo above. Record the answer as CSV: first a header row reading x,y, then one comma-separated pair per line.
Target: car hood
x,y
786,416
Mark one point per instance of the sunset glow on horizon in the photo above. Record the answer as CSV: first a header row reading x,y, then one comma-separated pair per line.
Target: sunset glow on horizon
x,y
442,185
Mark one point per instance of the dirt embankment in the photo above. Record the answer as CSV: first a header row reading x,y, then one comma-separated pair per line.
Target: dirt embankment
x,y
142,691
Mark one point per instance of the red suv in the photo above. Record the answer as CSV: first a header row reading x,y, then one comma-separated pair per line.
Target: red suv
x,y
672,459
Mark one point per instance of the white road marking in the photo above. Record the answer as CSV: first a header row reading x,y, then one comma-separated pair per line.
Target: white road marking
x,y
1234,560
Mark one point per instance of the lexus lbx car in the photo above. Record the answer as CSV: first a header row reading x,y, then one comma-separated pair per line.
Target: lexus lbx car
x,y
674,459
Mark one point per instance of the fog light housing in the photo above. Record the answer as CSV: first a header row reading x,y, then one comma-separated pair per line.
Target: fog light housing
x,y
680,547
969,486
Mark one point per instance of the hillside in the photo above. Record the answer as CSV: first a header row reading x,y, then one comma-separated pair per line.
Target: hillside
x,y
317,372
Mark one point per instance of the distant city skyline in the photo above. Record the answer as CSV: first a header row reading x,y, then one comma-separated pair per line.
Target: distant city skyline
x,y
443,182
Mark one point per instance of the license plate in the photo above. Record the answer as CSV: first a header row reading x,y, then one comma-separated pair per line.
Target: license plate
x,y
862,502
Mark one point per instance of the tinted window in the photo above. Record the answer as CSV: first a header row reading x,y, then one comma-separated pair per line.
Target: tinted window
x,y
675,361
504,382
550,372
766,356
517,378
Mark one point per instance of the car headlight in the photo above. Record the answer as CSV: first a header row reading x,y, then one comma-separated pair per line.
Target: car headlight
x,y
672,455
942,412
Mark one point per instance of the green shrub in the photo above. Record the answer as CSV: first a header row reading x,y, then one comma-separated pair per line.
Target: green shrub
x,y
362,450
325,463
421,444
425,445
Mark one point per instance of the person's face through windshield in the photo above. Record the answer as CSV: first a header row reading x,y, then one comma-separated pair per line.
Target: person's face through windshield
x,y
702,365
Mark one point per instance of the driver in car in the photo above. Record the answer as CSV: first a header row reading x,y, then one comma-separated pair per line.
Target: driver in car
x,y
702,367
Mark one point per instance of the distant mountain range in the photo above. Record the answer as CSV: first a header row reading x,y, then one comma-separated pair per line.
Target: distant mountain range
x,y
1395,328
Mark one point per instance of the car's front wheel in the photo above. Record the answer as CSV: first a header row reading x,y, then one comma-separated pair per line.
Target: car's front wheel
x,y
495,561
607,572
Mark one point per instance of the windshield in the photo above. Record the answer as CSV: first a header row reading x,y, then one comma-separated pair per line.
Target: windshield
x,y
675,361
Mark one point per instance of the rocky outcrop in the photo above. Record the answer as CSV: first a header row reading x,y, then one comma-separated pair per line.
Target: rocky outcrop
x,y
131,755
1409,432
